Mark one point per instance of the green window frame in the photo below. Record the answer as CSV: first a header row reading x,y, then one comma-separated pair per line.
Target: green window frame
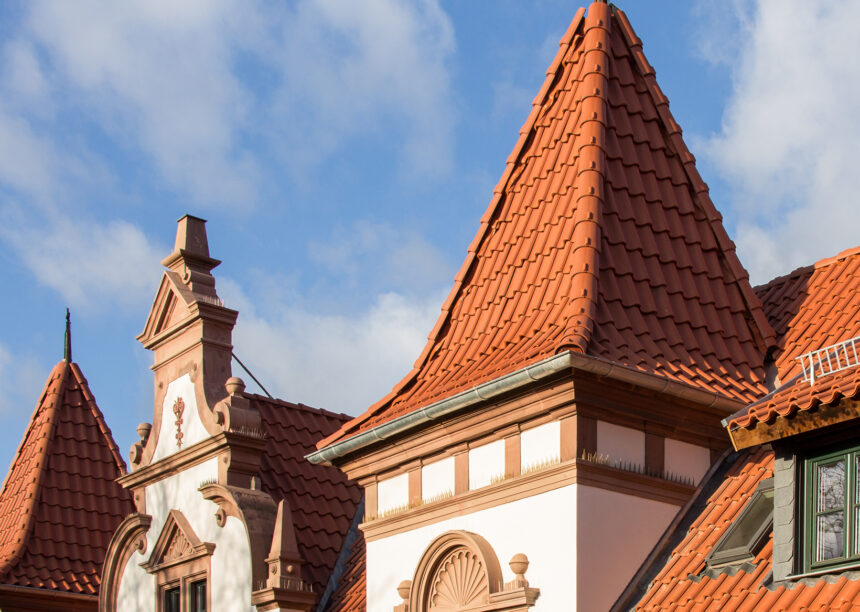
x,y
832,509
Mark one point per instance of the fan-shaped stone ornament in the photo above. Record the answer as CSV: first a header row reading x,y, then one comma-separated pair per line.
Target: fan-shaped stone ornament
x,y
460,582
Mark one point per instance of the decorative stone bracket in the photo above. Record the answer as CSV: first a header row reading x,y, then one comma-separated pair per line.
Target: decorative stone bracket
x,y
460,571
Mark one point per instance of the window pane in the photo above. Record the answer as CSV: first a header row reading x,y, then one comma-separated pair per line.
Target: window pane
x,y
830,536
857,479
198,596
171,600
831,486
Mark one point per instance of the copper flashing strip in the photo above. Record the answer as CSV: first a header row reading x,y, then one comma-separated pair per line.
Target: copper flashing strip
x,y
556,364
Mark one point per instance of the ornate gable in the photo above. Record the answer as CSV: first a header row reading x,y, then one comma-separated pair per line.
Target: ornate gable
x,y
176,544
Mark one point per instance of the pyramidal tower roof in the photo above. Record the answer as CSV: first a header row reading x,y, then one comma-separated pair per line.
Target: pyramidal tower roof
x,y
600,239
60,504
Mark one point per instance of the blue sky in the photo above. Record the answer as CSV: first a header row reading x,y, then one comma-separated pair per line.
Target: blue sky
x,y
343,154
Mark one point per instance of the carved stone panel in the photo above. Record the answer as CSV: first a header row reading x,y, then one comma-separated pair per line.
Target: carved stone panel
x,y
460,583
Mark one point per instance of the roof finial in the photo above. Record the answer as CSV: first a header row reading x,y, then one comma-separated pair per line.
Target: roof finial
x,y
67,352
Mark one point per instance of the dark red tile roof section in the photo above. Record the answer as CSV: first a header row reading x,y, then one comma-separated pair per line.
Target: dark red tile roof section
x,y
811,308
682,584
600,238
351,592
322,501
60,504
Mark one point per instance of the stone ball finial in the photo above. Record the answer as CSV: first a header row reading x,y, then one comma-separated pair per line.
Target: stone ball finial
x,y
234,385
143,431
403,589
519,563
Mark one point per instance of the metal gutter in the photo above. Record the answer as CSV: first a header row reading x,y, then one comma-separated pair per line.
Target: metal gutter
x,y
515,380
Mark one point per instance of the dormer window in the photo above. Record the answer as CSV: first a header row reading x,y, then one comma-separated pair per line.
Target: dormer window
x,y
832,509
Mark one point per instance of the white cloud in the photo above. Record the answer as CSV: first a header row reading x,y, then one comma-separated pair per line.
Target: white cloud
x,y
158,74
790,132
335,361
367,251
365,68
93,266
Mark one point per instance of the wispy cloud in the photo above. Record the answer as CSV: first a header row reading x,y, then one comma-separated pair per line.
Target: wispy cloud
x,y
370,253
789,136
364,69
93,265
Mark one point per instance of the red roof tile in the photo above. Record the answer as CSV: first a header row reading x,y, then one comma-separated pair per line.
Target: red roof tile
x,y
60,504
680,583
322,501
811,308
600,238
351,592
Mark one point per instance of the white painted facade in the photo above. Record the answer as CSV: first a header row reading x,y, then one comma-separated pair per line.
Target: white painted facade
x,y
486,463
540,445
437,479
192,427
687,460
393,493
538,526
620,444
583,544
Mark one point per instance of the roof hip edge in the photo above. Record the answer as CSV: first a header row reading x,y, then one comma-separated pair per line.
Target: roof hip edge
x,y
581,310
528,127
32,500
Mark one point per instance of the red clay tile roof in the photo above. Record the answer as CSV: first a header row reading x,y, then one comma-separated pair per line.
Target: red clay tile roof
x,y
682,585
811,308
60,504
351,592
601,238
322,500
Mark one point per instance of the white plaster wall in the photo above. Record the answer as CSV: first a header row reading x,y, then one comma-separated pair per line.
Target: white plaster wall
x,y
620,443
615,534
486,463
542,527
684,459
540,444
230,572
392,493
437,478
192,427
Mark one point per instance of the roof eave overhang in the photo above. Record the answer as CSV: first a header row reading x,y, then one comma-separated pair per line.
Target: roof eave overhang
x,y
565,361
802,421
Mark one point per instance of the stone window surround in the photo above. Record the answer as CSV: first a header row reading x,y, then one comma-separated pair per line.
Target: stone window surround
x,y
181,571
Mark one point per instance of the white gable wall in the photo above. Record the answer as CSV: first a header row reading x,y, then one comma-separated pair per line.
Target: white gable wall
x,y
230,572
192,427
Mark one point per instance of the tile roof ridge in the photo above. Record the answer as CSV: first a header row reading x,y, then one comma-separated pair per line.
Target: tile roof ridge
x,y
765,336
54,388
567,41
783,278
99,417
296,405
581,310
839,257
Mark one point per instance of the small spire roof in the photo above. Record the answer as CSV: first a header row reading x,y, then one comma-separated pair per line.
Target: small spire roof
x,y
600,239
60,504
67,341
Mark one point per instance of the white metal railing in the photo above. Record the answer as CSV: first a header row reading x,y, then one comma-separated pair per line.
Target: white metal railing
x,y
830,359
